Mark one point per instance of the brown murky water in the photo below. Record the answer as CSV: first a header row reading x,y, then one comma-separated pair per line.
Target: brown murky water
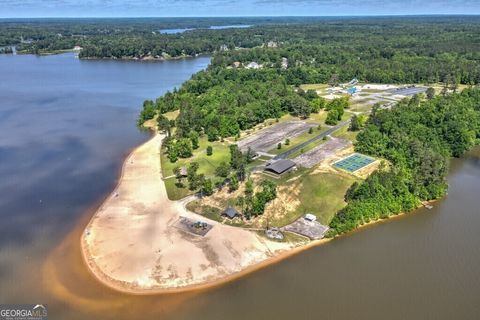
x,y
420,266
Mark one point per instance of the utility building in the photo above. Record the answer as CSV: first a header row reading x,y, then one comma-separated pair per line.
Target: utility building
x,y
280,166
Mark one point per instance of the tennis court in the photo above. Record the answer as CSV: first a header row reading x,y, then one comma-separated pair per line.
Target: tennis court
x,y
354,162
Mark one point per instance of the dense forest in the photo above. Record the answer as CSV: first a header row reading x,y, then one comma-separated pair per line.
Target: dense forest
x,y
376,49
417,138
220,102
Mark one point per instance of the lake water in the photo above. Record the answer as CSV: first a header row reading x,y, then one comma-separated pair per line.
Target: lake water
x,y
181,30
66,126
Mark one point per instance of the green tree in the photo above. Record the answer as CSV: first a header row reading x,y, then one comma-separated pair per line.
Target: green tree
x,y
184,147
233,185
209,150
192,176
212,134
164,124
178,176
332,117
317,104
207,187
223,170
194,139
173,153
430,93
354,123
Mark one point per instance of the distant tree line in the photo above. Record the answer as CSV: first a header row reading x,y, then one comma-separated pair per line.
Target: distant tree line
x,y
376,49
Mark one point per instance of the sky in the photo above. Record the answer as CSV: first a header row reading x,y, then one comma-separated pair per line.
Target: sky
x,y
215,8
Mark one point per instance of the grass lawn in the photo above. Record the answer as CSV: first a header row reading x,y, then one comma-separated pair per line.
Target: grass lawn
x,y
346,134
314,86
207,164
213,213
175,193
172,115
319,87
322,195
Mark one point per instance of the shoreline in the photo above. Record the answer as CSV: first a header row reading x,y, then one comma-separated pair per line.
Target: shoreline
x,y
249,250
131,287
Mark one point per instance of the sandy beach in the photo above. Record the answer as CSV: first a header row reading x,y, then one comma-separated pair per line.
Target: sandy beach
x,y
131,245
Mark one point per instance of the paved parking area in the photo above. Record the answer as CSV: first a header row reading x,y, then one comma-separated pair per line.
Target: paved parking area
x,y
321,152
409,91
268,138
311,229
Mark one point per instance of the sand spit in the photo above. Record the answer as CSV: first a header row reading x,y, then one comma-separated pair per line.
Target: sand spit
x,y
132,246
130,243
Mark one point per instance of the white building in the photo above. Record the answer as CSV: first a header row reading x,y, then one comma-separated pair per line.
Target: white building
x,y
253,65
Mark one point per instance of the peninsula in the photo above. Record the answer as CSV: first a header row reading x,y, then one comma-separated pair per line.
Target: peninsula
x,y
282,146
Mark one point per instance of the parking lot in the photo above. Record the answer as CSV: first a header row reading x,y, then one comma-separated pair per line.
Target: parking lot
x,y
408,91
321,152
268,138
311,229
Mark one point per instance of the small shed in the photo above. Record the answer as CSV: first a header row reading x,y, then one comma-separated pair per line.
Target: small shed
x,y
183,171
230,213
280,166
310,217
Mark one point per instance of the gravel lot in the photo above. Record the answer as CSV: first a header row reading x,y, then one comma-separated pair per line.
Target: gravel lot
x,y
268,138
321,152
311,229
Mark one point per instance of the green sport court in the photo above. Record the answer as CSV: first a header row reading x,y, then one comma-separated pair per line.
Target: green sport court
x,y
354,162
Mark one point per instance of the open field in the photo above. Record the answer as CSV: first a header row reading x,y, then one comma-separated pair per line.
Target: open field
x,y
346,134
174,192
172,115
322,195
268,138
321,152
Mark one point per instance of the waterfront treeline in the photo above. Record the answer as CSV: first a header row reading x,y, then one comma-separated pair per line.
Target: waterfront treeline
x,y
417,138
374,49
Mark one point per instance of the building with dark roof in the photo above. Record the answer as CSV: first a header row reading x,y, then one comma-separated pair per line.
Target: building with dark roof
x,y
280,166
230,213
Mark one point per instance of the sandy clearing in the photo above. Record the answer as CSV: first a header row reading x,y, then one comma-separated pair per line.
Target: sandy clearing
x,y
131,245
